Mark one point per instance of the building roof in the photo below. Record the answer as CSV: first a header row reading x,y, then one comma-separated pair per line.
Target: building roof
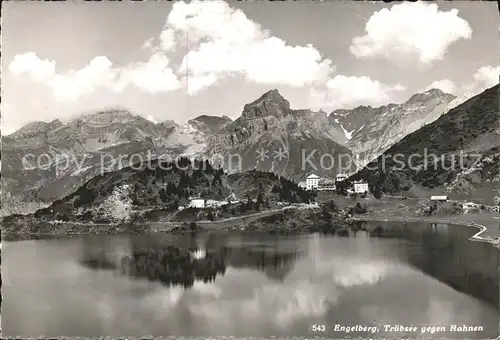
x,y
312,176
439,197
341,175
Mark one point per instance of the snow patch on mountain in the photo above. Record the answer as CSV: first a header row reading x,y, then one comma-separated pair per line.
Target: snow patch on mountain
x,y
347,134
193,141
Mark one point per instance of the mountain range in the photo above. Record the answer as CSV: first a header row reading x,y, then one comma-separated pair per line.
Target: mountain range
x,y
268,135
371,131
457,154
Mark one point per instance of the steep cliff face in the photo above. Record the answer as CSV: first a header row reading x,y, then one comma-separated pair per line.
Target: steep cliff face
x,y
351,121
271,136
371,131
45,161
270,103
209,124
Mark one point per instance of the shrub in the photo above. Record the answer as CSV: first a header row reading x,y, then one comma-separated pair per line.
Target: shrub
x,y
360,208
193,226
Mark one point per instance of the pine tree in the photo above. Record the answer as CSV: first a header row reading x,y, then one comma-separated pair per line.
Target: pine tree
x,y
208,168
249,203
210,216
260,199
163,195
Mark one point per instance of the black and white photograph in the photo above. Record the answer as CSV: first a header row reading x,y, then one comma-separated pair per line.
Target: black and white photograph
x,y
250,169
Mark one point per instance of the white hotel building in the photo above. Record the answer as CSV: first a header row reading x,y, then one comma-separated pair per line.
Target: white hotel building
x,y
314,182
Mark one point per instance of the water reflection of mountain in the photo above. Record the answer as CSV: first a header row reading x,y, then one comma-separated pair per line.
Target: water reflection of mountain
x,y
445,252
191,259
170,265
275,265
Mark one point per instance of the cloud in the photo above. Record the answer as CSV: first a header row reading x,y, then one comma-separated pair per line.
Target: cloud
x,y
167,39
74,84
487,76
349,91
410,29
153,76
444,85
30,64
148,44
224,42
197,83
151,118
484,78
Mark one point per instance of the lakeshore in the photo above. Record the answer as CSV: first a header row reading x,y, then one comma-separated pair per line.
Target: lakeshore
x,y
287,220
489,227
213,272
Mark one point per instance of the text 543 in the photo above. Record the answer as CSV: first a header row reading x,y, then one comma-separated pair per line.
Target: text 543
x,y
318,328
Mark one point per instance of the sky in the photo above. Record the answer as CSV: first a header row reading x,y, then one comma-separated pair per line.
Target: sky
x,y
178,60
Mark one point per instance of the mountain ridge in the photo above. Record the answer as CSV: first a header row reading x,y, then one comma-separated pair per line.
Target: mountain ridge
x,y
471,127
370,131
268,135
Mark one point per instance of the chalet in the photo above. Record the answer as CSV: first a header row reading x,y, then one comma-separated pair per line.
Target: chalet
x,y
360,187
439,198
312,182
197,203
215,203
325,184
341,177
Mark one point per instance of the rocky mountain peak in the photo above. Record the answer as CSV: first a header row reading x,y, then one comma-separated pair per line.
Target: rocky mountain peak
x,y
113,114
102,119
428,95
167,123
209,124
271,103
210,119
35,128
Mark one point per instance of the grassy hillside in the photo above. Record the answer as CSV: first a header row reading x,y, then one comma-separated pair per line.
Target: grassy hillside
x,y
163,187
274,188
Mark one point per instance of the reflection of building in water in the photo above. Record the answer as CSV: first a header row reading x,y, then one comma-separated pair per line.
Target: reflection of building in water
x,y
276,265
196,258
170,265
440,227
199,254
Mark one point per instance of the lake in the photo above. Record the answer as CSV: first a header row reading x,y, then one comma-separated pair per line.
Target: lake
x,y
414,280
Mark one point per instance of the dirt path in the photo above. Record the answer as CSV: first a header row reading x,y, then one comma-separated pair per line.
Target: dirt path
x,y
220,224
